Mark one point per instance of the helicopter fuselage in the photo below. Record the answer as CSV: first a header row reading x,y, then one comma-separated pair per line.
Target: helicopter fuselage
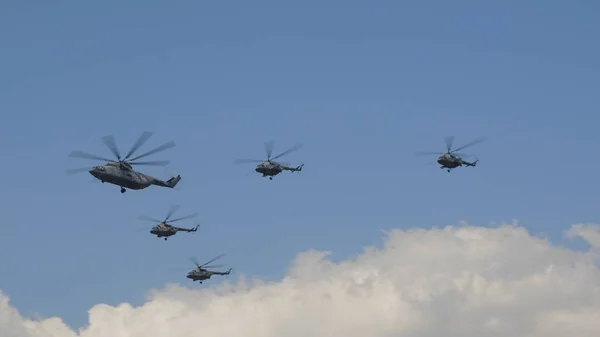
x,y
269,169
126,177
195,275
203,274
449,161
165,230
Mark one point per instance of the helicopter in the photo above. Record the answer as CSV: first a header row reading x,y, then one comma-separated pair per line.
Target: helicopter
x,y
450,159
165,229
121,172
270,168
201,273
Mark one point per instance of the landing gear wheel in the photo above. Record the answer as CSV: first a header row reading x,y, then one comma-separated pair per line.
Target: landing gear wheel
x,y
448,170
123,190
165,239
270,178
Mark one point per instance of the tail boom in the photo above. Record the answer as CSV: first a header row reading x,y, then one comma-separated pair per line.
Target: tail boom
x,y
171,183
294,169
189,230
223,272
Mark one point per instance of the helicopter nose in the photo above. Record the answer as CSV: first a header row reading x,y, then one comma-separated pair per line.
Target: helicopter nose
x,y
95,172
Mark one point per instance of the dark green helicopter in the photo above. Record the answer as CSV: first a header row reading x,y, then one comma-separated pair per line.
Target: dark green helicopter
x,y
451,159
164,229
269,167
201,272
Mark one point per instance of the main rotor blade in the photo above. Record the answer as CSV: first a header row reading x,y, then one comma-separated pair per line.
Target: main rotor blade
x,y
78,170
195,261
152,163
145,227
476,141
109,141
449,141
147,218
216,266
269,148
428,153
244,161
79,154
158,149
213,260
172,210
292,149
138,143
185,217
462,155
179,268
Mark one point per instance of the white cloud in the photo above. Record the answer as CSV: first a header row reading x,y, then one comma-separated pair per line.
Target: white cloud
x,y
589,232
456,281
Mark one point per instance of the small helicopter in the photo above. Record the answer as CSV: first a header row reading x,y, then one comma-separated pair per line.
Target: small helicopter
x,y
201,272
270,168
451,160
121,172
165,229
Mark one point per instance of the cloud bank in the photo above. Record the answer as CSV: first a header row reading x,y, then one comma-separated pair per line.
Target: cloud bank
x,y
457,281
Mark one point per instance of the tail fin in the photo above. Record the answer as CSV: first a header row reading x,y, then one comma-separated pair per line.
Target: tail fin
x,y
227,272
299,168
473,164
195,228
173,181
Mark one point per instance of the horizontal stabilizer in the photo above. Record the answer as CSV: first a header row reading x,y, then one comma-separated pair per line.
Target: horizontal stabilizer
x,y
173,181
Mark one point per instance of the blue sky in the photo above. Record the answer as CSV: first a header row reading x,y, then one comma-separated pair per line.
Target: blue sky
x,y
362,84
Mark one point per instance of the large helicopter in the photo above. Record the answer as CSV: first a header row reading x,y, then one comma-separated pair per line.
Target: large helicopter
x,y
121,172
202,273
451,159
270,168
165,229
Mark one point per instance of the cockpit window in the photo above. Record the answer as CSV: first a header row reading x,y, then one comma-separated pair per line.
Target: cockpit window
x,y
100,168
